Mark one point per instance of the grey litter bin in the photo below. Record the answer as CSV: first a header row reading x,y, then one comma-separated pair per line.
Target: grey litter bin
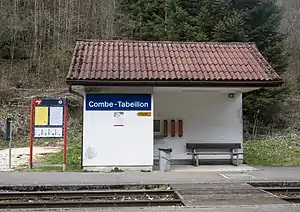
x,y
164,159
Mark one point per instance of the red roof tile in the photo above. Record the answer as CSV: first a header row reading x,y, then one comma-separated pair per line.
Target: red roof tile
x,y
171,61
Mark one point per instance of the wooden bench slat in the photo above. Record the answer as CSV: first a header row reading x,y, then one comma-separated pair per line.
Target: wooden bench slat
x,y
212,153
213,145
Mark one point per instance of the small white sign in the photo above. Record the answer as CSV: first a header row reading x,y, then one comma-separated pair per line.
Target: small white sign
x,y
48,132
56,116
118,119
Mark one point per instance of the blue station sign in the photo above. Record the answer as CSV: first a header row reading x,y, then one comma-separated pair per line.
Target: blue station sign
x,y
118,102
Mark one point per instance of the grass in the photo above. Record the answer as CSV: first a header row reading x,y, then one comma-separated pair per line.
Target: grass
x,y
3,144
280,151
73,159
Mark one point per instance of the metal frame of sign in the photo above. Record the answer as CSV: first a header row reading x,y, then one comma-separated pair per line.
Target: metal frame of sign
x,y
43,102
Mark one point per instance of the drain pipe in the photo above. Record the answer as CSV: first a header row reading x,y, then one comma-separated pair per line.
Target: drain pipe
x,y
82,96
75,92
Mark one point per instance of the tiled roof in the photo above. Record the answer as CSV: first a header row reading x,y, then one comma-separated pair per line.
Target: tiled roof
x,y
169,61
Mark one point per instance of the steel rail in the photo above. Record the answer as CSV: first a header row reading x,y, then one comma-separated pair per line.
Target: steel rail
x,y
62,199
291,199
40,194
280,189
71,204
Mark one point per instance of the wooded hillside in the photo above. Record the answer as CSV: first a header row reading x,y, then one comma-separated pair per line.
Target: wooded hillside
x,y
37,38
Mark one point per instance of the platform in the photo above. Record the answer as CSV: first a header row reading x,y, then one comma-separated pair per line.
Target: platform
x,y
262,174
229,188
213,168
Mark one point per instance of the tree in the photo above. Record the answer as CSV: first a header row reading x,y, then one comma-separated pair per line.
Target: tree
x,y
37,38
219,20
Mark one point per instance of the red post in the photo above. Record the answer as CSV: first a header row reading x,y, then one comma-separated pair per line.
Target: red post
x,y
65,133
31,132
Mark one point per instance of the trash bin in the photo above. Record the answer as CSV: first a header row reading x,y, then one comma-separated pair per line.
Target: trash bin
x,y
164,159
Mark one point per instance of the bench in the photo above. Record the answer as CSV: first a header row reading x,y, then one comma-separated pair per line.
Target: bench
x,y
196,149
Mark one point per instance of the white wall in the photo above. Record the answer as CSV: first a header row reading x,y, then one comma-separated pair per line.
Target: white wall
x,y
105,145
207,117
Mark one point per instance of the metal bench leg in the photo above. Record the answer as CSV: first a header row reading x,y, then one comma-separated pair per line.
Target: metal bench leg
x,y
237,160
237,157
194,158
234,161
232,157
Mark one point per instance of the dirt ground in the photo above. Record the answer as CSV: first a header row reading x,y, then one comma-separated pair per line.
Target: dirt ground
x,y
20,156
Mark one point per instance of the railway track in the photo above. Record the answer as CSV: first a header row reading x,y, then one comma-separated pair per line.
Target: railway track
x,y
281,189
94,198
289,194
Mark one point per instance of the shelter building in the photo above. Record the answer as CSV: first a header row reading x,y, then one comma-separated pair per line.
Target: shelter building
x,y
144,95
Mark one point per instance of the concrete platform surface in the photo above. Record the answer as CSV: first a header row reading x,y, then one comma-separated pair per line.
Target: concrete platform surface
x,y
213,168
46,178
227,208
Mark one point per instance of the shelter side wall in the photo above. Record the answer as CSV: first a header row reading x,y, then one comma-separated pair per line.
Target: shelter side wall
x,y
108,145
207,117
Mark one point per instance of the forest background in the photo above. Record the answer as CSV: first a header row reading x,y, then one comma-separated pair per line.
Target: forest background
x,y
37,38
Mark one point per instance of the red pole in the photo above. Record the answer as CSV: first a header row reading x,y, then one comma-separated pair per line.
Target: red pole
x,y
65,134
31,132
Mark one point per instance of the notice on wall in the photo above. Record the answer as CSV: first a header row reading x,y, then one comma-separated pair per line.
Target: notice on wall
x,y
56,116
144,114
41,116
48,132
118,119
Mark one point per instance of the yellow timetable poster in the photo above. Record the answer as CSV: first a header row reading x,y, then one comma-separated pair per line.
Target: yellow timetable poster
x,y
41,116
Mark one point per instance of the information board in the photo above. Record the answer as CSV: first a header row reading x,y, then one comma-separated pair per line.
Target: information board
x,y
48,118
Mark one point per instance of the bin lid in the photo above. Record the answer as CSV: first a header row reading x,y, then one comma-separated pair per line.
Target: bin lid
x,y
165,149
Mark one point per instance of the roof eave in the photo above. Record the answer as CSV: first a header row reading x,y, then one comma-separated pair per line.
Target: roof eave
x,y
177,83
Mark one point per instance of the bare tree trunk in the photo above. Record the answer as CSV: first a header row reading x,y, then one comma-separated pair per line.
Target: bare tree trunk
x,y
95,19
35,32
41,35
66,12
78,15
71,21
59,23
87,28
13,37
54,21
